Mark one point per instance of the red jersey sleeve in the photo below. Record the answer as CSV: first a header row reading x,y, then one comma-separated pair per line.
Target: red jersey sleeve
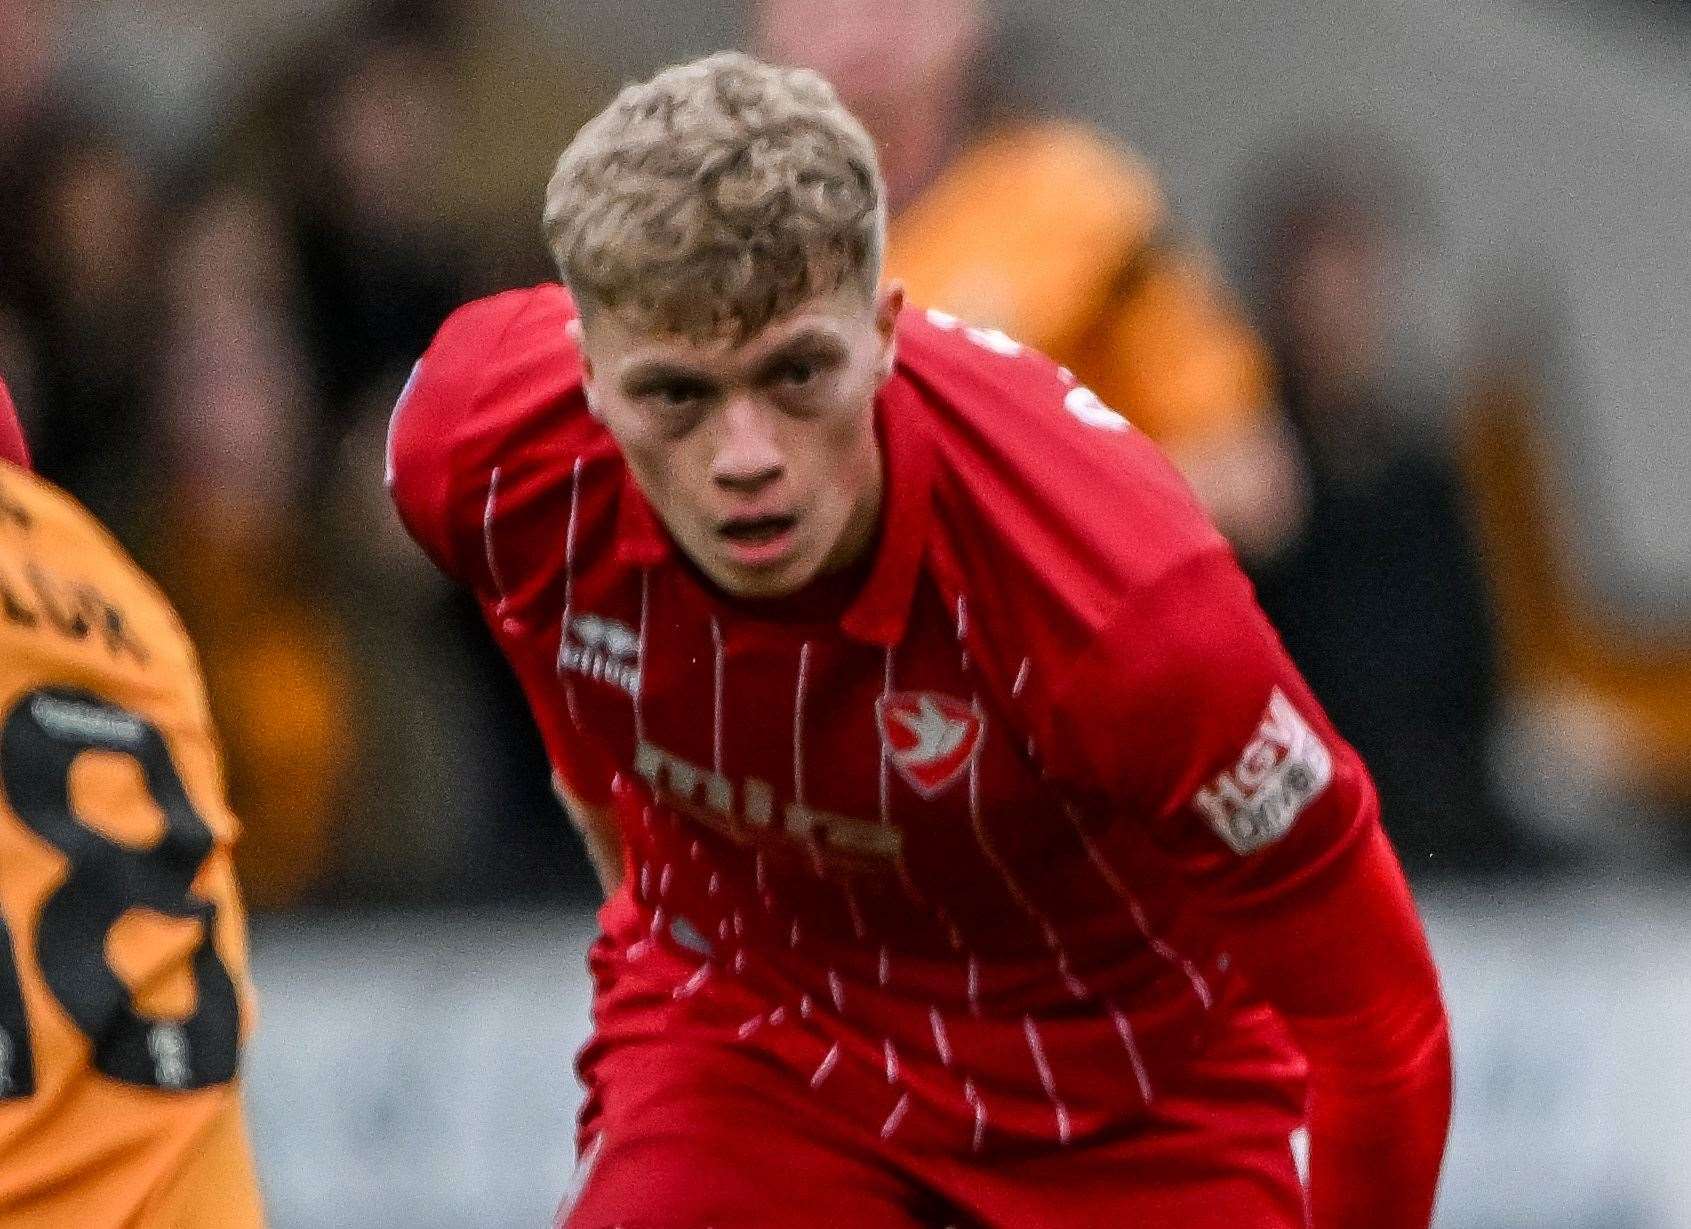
x,y
12,446
438,476
426,434
1188,712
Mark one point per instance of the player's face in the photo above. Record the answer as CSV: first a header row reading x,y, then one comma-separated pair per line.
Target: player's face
x,y
760,455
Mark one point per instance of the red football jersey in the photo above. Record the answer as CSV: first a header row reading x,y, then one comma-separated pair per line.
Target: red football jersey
x,y
12,447
964,839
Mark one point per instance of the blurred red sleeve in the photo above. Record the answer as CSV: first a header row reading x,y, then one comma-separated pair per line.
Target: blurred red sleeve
x,y
441,403
1193,716
12,446
440,497
1344,961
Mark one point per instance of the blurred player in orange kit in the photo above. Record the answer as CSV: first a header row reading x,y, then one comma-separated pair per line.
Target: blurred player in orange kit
x,y
124,997
973,853
1056,234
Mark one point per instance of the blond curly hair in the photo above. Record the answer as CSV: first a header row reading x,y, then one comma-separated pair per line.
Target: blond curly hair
x,y
715,198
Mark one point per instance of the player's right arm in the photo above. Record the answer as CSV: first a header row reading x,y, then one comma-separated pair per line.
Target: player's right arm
x,y
446,413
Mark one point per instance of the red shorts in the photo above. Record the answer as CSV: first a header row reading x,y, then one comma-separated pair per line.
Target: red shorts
x,y
687,1135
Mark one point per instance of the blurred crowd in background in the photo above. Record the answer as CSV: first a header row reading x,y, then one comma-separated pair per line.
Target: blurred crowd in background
x,y
208,306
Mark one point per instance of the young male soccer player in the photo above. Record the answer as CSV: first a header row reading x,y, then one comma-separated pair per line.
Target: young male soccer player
x,y
961,819
123,985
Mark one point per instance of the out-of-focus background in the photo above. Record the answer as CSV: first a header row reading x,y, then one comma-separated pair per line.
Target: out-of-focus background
x,y
1461,237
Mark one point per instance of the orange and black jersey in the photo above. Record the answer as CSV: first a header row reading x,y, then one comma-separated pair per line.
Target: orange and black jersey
x,y
123,969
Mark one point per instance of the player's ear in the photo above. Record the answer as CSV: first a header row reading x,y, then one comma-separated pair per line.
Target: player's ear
x,y
575,333
577,336
889,302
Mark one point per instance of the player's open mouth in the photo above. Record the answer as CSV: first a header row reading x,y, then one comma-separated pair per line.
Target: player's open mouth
x,y
759,540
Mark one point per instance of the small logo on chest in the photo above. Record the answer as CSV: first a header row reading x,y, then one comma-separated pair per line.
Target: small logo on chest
x,y
603,650
930,738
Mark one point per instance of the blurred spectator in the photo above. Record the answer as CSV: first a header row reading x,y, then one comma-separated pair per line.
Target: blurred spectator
x,y
381,268
33,49
88,286
1601,729
1380,597
235,409
383,155
1046,229
518,99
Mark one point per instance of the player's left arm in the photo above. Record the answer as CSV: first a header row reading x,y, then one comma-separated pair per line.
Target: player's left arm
x,y
1208,731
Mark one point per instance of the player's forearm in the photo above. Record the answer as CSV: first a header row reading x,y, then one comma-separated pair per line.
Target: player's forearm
x,y
1345,962
604,849
599,833
1379,1111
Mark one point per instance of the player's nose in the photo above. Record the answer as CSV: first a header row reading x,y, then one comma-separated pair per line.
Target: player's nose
x,y
749,457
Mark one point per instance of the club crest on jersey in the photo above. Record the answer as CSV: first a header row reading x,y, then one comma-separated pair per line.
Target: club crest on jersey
x,y
603,650
930,738
1283,769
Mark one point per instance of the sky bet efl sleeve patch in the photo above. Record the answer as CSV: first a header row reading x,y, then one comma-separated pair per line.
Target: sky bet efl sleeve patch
x,y
1282,770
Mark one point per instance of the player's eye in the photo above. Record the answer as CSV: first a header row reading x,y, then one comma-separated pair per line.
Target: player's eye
x,y
797,372
802,374
678,394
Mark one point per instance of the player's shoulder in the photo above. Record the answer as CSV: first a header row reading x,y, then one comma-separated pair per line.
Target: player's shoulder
x,y
493,363
495,401
1043,493
507,329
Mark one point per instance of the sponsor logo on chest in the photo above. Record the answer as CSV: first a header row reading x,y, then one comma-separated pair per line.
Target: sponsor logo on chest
x,y
930,739
742,810
1282,770
603,650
